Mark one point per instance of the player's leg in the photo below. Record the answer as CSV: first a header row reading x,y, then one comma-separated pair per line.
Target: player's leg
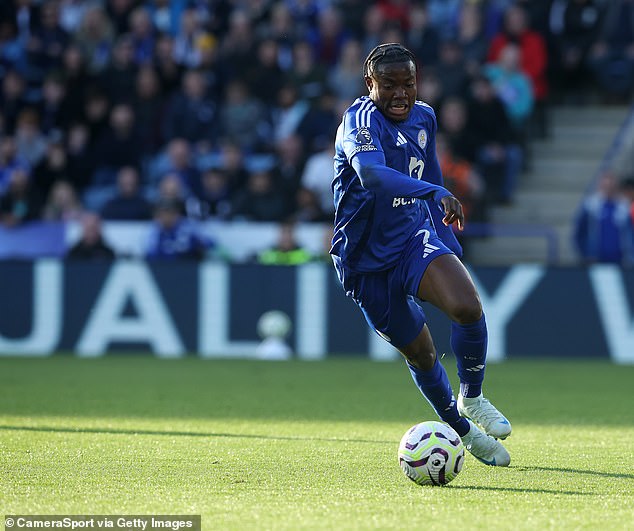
x,y
447,285
398,319
391,313
431,378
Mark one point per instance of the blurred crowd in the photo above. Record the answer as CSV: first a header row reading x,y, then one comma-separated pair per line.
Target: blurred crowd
x,y
227,109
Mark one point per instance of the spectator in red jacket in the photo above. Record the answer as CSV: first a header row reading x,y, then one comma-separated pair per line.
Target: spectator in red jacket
x,y
533,58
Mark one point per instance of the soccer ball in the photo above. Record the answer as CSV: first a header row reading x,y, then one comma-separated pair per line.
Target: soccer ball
x,y
431,453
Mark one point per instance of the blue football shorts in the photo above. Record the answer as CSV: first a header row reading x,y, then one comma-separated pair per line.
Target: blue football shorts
x,y
386,298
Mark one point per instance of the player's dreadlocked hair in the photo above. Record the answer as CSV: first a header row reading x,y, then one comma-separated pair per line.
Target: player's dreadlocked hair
x,y
384,54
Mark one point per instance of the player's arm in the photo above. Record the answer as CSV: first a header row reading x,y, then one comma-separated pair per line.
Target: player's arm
x,y
376,176
360,138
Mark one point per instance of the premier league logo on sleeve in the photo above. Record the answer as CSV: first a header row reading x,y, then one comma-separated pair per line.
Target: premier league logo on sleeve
x,y
363,141
422,138
363,136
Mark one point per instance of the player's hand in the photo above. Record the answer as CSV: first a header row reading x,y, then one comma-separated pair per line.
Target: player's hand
x,y
453,211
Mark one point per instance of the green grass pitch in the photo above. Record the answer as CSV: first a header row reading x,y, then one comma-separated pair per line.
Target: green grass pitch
x,y
307,445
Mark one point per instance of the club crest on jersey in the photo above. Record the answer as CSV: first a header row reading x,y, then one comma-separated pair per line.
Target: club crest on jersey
x,y
422,138
363,136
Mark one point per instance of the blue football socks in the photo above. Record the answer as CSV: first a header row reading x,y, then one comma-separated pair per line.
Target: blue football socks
x,y
469,343
435,387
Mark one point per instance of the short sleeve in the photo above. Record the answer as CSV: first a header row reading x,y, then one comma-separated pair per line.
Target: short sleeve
x,y
362,132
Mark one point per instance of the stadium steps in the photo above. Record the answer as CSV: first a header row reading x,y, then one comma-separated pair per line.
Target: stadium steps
x,y
561,170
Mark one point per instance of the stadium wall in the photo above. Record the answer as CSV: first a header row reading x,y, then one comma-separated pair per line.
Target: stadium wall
x,y
211,309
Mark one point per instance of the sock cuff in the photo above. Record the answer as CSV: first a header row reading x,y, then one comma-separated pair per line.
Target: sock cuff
x,y
476,326
470,390
431,376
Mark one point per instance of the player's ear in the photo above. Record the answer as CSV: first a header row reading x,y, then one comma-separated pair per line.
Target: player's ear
x,y
369,82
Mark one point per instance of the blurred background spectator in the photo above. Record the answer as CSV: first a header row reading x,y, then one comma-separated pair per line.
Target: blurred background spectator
x,y
53,167
191,113
21,201
627,188
451,69
231,107
603,229
344,79
62,203
286,251
574,25
9,161
471,37
261,200
215,195
532,58
30,141
422,37
512,86
462,179
318,174
173,236
612,54
127,203
13,98
498,153
91,244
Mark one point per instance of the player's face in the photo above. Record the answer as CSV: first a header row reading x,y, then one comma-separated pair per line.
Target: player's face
x,y
392,88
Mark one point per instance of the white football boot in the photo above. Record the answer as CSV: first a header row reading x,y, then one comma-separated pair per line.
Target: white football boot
x,y
485,448
484,414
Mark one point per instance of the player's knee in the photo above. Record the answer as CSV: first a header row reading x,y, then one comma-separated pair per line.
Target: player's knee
x,y
466,311
421,352
423,359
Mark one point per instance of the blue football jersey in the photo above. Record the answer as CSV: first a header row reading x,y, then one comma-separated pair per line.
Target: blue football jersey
x,y
374,222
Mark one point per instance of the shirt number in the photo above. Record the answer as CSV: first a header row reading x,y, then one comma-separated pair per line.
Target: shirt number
x,y
416,168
